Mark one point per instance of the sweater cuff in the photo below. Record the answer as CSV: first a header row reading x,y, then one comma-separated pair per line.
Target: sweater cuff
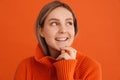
x,y
65,69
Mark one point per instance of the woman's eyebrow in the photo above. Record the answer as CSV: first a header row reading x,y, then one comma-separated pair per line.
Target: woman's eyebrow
x,y
69,19
53,19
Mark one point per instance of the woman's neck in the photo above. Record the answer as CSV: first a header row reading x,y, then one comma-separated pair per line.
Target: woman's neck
x,y
54,53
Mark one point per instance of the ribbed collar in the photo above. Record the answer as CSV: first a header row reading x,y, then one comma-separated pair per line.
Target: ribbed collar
x,y
48,60
40,57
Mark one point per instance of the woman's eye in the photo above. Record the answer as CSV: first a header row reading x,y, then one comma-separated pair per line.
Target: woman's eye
x,y
69,23
53,23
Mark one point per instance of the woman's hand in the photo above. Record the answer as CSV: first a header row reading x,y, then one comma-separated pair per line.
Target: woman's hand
x,y
67,53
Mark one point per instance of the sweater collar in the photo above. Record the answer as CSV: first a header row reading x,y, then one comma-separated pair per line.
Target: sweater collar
x,y
40,57
48,60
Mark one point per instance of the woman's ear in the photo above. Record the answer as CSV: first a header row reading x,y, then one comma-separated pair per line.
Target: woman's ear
x,y
41,32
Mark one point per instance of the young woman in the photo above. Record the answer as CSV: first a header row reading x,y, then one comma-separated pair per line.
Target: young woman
x,y
55,59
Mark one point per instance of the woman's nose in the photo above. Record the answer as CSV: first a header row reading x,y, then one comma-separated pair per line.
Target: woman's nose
x,y
62,29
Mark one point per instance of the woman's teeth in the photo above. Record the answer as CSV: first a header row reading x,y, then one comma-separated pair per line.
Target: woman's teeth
x,y
61,38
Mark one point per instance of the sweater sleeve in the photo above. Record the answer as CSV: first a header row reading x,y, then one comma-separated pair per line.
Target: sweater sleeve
x,y
65,69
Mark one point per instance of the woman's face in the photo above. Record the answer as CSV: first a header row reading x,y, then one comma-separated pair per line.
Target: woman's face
x,y
58,29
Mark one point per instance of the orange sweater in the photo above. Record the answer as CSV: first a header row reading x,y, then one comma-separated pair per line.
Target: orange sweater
x,y
42,67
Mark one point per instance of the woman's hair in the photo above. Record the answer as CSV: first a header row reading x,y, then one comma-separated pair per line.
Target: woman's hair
x,y
42,17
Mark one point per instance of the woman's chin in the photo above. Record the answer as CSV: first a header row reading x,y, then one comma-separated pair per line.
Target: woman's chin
x,y
58,47
62,46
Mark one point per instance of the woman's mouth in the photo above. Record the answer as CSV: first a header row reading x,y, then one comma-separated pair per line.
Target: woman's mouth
x,y
61,38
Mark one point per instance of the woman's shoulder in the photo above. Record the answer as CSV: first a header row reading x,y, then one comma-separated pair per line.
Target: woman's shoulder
x,y
27,62
87,67
87,62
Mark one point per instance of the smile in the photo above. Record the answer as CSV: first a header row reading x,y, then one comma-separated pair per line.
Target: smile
x,y
61,38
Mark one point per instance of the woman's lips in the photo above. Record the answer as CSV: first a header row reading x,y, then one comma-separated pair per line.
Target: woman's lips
x,y
61,38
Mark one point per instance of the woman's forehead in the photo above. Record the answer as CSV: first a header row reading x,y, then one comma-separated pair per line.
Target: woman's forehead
x,y
60,13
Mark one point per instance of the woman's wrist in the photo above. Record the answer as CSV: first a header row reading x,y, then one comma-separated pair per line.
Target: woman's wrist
x,y
65,69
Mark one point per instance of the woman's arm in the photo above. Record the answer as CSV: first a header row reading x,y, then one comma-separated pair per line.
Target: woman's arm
x,y
65,69
65,66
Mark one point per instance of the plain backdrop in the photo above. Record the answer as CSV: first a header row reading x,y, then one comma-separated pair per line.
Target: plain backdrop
x,y
99,33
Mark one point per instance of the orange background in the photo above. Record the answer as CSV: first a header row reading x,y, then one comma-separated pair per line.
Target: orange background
x,y
99,33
